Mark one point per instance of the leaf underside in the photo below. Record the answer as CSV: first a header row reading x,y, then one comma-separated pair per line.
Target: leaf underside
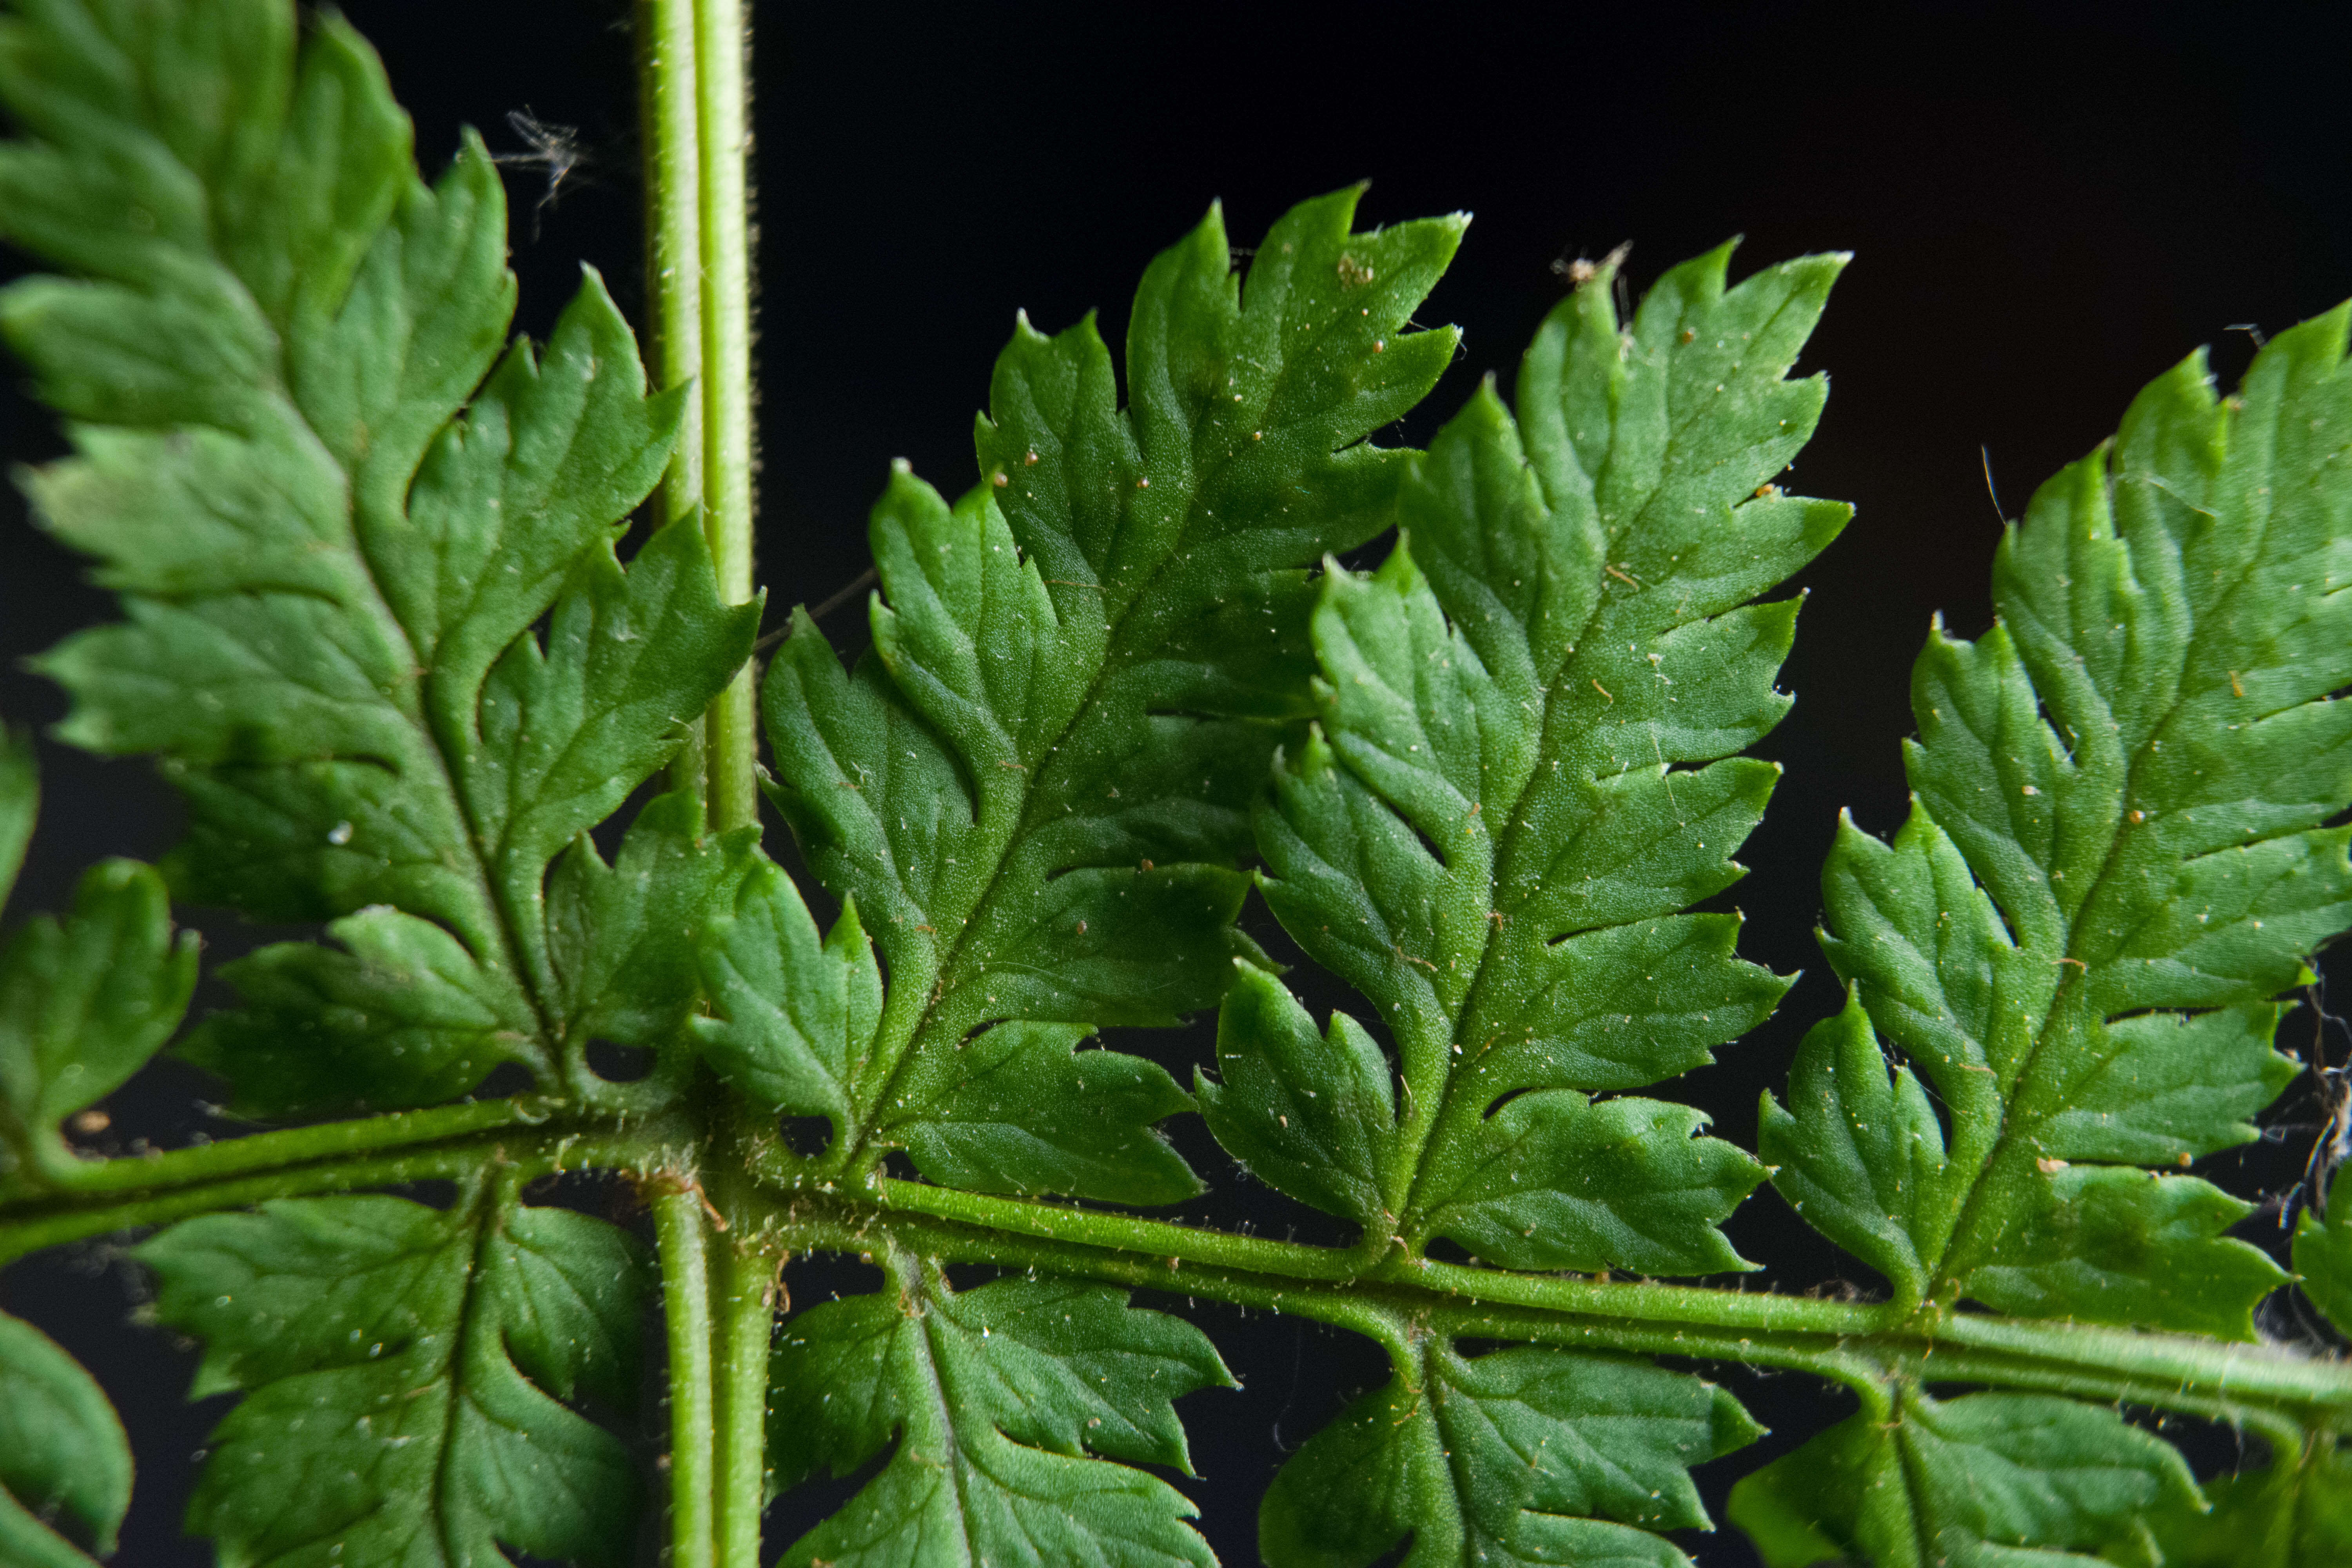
x,y
2115,864
379,631
1003,1407
417,1367
1033,789
1496,827
1525,1456
338,515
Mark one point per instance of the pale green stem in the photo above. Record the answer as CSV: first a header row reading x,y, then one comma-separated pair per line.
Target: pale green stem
x,y
159,1170
745,1301
722,46
71,1216
693,55
686,1306
668,107
719,1357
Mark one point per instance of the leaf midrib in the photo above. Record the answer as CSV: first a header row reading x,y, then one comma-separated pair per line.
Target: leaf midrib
x,y
453,1367
1115,662
2077,970
1506,844
377,606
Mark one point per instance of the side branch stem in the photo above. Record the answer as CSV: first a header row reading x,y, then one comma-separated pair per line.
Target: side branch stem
x,y
1851,1342
529,1151
161,1172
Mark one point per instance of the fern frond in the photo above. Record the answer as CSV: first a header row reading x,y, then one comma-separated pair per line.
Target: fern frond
x,y
410,1361
1494,831
1006,1405
1035,787
333,536
1523,1456
2115,864
2025,1480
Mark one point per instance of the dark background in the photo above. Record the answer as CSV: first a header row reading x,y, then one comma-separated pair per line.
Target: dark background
x,y
2049,205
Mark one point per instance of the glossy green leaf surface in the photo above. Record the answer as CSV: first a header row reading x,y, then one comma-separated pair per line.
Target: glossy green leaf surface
x,y
1495,830
1526,1456
2115,864
421,1367
1002,1408
1987,1480
65,1465
335,513
1035,786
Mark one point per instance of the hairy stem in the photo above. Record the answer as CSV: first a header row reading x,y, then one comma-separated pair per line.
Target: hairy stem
x,y
1849,1342
667,107
102,1210
744,1301
722,129
686,1306
160,1172
720,1309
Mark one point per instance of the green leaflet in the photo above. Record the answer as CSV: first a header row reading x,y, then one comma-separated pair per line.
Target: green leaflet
x,y
2323,1257
407,1363
2113,865
1034,786
84,1001
65,1465
996,1398
1987,1480
1489,838
2288,1516
1522,1456
1020,1109
1861,1158
334,537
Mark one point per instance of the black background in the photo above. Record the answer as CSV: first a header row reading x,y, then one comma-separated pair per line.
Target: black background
x,y
2049,205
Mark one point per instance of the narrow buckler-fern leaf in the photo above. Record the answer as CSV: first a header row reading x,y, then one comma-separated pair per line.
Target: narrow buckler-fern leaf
x,y
418,1367
1495,830
1987,1480
1525,1456
2115,864
333,547
997,1400
1034,786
